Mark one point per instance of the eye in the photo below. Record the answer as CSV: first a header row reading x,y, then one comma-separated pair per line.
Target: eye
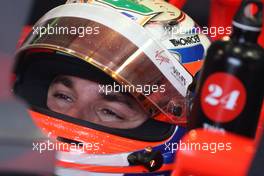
x,y
63,97
109,113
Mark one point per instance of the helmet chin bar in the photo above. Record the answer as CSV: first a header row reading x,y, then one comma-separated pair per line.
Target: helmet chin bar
x,y
117,152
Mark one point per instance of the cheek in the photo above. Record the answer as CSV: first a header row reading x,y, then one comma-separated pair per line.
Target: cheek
x,y
126,124
56,106
132,123
141,118
51,103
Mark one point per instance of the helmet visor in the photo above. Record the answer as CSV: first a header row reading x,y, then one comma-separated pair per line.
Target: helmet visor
x,y
120,48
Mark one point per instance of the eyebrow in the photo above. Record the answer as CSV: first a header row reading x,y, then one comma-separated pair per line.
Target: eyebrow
x,y
117,97
63,80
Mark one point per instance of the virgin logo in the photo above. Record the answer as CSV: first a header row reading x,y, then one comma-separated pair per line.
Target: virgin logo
x,y
161,58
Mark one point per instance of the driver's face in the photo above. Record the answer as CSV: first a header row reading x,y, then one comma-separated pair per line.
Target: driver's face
x,y
81,98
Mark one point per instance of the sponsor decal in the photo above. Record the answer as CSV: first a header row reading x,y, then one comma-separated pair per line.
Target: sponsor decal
x,y
185,40
130,5
127,5
189,54
177,74
161,58
223,97
129,15
130,8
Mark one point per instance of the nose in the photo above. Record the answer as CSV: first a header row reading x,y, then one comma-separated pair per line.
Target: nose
x,y
83,113
74,112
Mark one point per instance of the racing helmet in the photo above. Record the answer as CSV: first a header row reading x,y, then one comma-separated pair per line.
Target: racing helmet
x,y
130,43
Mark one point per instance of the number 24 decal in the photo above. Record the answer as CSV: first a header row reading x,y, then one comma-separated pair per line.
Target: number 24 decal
x,y
216,97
